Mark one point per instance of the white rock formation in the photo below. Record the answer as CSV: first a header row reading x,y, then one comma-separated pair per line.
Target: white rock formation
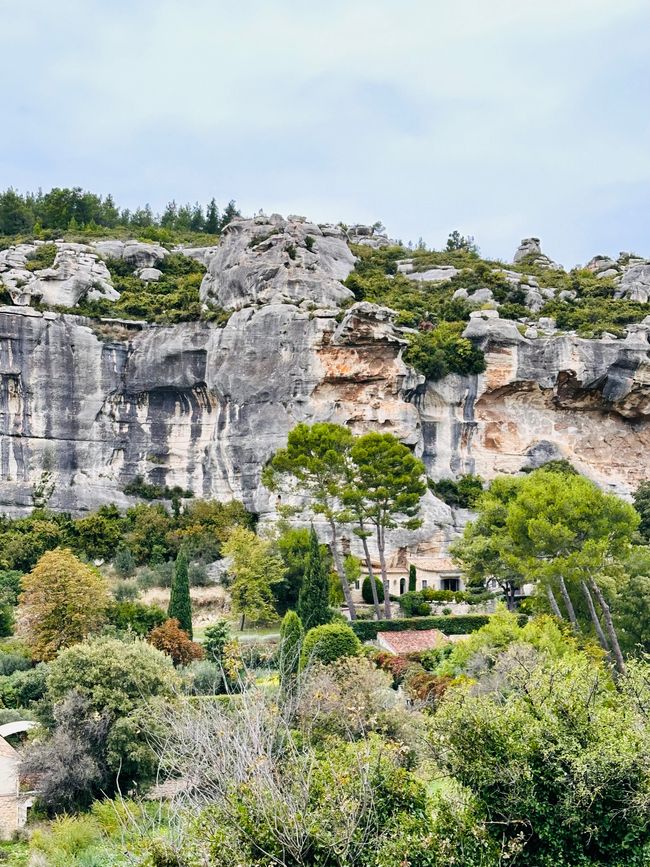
x,y
77,273
270,260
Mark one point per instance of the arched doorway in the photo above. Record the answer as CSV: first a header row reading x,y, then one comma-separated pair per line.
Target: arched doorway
x,y
402,586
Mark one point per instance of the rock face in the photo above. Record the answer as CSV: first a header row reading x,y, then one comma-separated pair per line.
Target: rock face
x,y
204,407
560,396
270,260
76,273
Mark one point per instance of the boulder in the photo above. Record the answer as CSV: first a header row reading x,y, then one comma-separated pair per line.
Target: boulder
x,y
149,275
530,250
635,282
138,254
260,262
434,275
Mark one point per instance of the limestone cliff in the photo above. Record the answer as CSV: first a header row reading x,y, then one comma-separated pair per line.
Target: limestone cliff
x,y
204,406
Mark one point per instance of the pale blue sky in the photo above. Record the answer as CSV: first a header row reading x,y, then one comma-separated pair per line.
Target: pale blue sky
x,y
502,118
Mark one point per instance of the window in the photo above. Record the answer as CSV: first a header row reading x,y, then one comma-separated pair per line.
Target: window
x,y
450,584
402,586
425,583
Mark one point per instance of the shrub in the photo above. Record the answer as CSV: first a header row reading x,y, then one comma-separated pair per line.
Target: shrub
x,y
203,677
367,630
259,654
172,640
198,575
124,562
215,638
291,639
366,590
444,350
22,688
422,685
135,617
461,494
42,257
10,585
66,838
413,604
328,643
114,675
137,487
10,662
126,591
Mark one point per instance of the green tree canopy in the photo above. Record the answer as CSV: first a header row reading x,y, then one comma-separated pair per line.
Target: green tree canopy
x,y
313,600
63,601
315,464
180,603
255,570
386,487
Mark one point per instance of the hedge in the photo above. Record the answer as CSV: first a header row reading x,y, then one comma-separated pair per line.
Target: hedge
x,y
366,630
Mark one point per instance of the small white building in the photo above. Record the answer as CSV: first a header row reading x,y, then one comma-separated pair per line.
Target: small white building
x,y
433,569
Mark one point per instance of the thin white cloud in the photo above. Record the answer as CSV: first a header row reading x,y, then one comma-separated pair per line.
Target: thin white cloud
x,y
502,118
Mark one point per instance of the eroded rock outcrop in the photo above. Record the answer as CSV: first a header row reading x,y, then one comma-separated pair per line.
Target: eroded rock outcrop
x,y
76,272
270,260
204,407
530,251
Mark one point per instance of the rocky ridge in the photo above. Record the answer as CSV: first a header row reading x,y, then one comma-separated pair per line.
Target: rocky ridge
x,y
204,407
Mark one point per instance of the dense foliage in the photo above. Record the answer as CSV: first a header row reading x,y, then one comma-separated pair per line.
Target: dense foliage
x,y
63,601
76,210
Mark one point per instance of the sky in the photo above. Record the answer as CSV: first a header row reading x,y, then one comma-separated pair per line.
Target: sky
x,y
500,118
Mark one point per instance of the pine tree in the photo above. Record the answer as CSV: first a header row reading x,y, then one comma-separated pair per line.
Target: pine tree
x,y
211,226
291,638
180,604
313,600
412,578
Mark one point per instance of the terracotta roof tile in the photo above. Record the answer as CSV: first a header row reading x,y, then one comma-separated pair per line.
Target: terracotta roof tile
x,y
411,640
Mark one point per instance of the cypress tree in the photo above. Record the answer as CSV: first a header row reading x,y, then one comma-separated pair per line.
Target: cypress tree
x,y
313,599
291,637
180,604
412,578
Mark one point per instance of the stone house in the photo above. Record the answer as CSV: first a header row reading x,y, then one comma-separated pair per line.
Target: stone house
x,y
14,803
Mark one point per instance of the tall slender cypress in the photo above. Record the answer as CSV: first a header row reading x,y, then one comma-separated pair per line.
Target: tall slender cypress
x,y
412,578
313,599
180,604
291,638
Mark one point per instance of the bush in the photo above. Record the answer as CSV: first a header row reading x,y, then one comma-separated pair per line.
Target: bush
x,y
135,617
198,575
444,350
22,688
172,640
126,591
461,494
367,630
137,487
366,590
422,685
42,257
124,562
328,643
215,638
10,662
203,677
413,604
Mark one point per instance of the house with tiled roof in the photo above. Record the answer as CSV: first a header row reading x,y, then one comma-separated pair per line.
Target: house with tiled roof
x,y
411,640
